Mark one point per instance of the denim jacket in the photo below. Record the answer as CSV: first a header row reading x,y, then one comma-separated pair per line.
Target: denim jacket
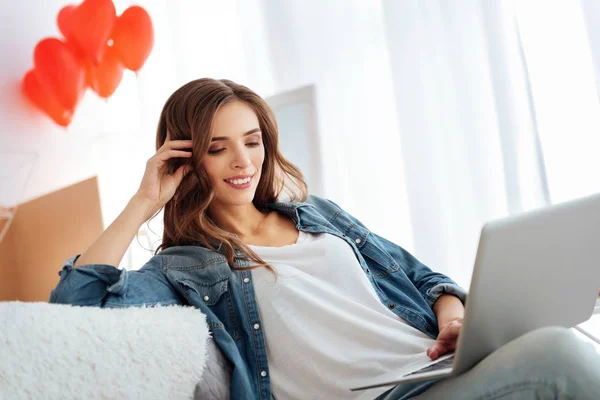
x,y
197,276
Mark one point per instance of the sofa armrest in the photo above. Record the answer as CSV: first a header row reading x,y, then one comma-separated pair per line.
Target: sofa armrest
x,y
58,351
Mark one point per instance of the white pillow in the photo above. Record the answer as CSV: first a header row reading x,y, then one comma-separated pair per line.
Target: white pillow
x,y
57,351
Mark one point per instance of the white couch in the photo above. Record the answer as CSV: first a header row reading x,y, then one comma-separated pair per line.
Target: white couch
x,y
55,351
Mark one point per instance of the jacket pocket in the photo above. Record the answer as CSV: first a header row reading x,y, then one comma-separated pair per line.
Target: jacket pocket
x,y
217,297
379,261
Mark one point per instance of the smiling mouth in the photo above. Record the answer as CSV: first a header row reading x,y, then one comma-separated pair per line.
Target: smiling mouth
x,y
242,183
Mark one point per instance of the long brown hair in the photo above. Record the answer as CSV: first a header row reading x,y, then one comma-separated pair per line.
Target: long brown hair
x,y
189,114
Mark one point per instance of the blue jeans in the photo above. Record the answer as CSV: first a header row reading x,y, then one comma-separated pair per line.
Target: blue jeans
x,y
547,363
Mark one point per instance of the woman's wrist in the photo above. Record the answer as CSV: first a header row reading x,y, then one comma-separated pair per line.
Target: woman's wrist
x,y
143,206
110,247
448,308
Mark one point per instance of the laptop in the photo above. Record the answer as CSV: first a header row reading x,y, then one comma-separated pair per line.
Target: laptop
x,y
534,269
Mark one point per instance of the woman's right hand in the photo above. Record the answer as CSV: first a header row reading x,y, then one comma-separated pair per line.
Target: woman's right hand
x,y
156,189
158,186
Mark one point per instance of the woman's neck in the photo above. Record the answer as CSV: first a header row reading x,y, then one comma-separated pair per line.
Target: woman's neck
x,y
244,221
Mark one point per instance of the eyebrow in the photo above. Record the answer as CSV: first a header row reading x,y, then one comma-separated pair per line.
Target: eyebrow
x,y
250,132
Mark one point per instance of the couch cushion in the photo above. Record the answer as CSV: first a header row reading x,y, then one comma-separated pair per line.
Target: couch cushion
x,y
56,351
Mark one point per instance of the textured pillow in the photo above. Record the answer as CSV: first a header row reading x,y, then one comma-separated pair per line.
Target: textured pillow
x,y
57,351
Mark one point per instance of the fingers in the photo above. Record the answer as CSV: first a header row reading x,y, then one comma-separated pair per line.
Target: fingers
x,y
159,159
433,353
454,322
176,144
440,348
182,171
172,149
450,330
446,340
165,155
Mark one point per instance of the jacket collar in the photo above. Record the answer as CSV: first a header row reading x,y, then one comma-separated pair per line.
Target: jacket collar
x,y
291,209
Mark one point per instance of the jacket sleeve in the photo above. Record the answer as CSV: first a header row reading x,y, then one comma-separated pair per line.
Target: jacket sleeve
x,y
102,285
431,285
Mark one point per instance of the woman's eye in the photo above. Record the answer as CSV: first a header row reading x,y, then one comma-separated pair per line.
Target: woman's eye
x,y
217,151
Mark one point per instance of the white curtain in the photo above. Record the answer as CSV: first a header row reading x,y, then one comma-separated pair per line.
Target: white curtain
x,y
565,96
435,116
591,15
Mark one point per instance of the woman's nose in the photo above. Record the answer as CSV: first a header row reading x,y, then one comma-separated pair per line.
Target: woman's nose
x,y
241,159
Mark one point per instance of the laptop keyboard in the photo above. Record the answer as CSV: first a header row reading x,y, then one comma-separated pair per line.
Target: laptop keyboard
x,y
447,363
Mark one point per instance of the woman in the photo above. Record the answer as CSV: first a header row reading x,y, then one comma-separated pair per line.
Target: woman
x,y
299,295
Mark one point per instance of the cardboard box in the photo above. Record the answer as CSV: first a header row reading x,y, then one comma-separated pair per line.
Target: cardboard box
x,y
43,234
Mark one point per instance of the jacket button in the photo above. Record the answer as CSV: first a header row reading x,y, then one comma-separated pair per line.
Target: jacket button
x,y
263,373
206,298
256,326
368,271
428,327
246,280
391,305
357,241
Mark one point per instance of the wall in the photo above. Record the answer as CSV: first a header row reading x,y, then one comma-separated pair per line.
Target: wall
x,y
64,155
110,139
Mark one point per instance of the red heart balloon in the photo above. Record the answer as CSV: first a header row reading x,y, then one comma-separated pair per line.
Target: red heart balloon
x,y
59,72
88,26
105,77
64,18
44,100
133,37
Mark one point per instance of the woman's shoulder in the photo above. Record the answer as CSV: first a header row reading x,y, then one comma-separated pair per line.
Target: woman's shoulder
x,y
185,256
322,202
312,205
324,208
312,201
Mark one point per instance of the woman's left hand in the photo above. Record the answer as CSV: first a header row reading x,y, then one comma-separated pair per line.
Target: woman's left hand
x,y
447,339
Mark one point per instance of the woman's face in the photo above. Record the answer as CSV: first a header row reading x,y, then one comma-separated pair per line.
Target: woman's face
x,y
235,154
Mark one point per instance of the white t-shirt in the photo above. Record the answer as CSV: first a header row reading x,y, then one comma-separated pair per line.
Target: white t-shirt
x,y
324,325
